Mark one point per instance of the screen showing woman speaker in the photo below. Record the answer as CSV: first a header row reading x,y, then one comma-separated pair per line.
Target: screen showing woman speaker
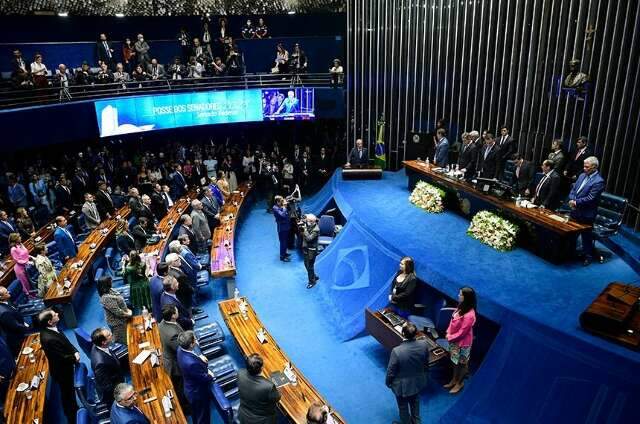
x,y
288,104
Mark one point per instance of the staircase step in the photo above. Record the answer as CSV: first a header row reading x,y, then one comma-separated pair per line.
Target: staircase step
x,y
629,234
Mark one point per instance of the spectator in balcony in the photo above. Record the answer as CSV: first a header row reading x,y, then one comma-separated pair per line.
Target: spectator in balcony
x,y
128,54
298,60
83,76
142,51
206,36
39,72
19,71
184,41
155,70
218,68
120,76
261,29
62,76
177,70
248,31
224,36
282,59
199,51
337,73
17,193
195,68
104,75
104,51
139,74
234,62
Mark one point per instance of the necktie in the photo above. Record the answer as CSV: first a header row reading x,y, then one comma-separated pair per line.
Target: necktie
x,y
541,183
584,183
106,48
486,152
518,172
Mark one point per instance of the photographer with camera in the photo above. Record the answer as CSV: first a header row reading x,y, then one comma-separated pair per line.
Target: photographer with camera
x,y
310,232
283,222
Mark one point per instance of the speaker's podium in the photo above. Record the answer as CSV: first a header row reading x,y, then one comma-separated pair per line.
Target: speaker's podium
x,y
361,172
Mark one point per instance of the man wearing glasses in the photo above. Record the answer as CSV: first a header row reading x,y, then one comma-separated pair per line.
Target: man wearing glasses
x,y
124,409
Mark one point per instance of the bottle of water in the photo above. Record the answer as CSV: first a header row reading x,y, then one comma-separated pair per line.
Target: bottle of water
x,y
427,160
236,294
145,313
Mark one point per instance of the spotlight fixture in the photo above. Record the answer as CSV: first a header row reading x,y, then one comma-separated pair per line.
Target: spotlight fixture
x,y
119,15
63,14
291,12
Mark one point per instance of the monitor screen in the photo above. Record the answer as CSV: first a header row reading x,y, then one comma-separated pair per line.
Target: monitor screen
x,y
155,112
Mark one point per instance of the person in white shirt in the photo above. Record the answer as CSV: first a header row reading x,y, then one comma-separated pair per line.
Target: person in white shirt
x,y
39,72
211,165
195,68
337,73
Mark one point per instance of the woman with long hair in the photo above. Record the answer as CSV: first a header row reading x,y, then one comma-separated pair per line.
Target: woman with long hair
x,y
460,337
20,256
116,311
135,274
403,288
46,270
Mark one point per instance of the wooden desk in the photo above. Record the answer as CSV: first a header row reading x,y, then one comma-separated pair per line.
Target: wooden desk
x,y
389,337
295,400
17,408
540,229
44,235
223,263
155,378
99,237
362,173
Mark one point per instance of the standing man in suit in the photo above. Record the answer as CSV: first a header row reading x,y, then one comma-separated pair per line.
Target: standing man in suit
x,y
103,200
105,51
124,409
488,158
406,373
166,195
170,329
197,378
105,364
200,226
507,147
12,323
547,193
189,259
158,205
583,201
140,233
185,288
90,212
468,157
258,395
441,156
523,173
576,159
186,228
170,287
64,240
59,351
7,226
359,155
142,51
178,183
145,209
64,199
156,288
283,223
211,208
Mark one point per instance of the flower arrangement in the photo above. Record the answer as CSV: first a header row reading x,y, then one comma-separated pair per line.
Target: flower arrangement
x,y
427,197
493,231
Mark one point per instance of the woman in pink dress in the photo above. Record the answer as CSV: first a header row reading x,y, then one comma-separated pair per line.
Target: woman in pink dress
x,y
21,257
460,337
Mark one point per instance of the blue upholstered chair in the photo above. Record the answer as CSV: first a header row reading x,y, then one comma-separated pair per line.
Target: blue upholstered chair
x,y
327,227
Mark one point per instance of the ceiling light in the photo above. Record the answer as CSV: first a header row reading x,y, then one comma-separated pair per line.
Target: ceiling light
x,y
119,15
63,14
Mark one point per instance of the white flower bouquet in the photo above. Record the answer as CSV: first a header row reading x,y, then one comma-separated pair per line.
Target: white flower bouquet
x,y
493,231
427,197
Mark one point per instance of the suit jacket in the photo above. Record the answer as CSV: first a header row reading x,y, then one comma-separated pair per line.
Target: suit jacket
x,y
158,205
489,166
7,362
169,332
441,156
558,158
548,191
356,159
177,185
200,226
185,291
159,70
91,215
104,203
258,399
196,377
107,371
283,221
468,158
189,232
507,147
125,243
140,236
13,326
406,372
576,162
191,260
63,197
59,351
104,53
323,164
525,176
184,316
5,230
197,173
147,213
65,243
135,204
121,415
586,196
211,207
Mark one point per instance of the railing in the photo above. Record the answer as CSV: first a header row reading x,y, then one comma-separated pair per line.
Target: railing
x,y
19,98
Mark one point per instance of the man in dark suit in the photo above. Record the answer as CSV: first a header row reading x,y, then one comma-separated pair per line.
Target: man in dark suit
x,y
103,201
64,240
166,195
185,229
488,158
105,364
547,192
104,51
158,205
7,367
12,323
156,288
576,159
523,173
7,226
185,288
178,183
140,233
406,373
170,329
468,157
507,147
583,201
79,186
211,208
198,173
359,155
170,287
441,155
62,356
283,223
134,202
145,209
64,200
196,377
124,409
323,165
258,396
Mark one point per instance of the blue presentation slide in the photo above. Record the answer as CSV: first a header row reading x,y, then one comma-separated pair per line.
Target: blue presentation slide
x,y
145,113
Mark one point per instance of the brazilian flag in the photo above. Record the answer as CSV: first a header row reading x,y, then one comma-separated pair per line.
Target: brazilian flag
x,y
381,157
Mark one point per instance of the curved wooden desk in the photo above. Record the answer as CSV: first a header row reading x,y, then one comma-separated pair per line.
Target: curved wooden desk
x,y
145,376
168,223
17,408
72,274
295,400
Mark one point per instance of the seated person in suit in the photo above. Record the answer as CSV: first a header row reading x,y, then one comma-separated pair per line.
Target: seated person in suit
x,y
196,378
547,192
523,173
359,156
258,396
468,157
583,201
403,288
124,409
441,157
319,414
169,297
64,240
155,70
105,364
